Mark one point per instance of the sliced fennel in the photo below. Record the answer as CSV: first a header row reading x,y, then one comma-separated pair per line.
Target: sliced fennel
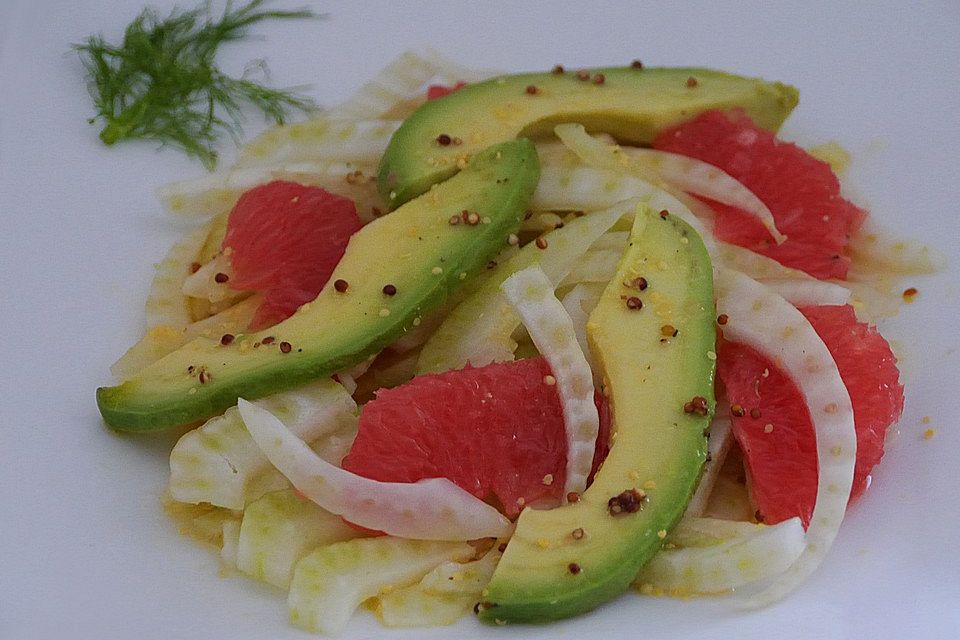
x,y
579,302
230,533
595,266
216,193
745,558
218,462
442,597
479,330
591,188
685,173
718,446
700,178
321,139
203,282
433,509
329,584
874,245
161,340
166,305
530,293
280,528
809,292
761,319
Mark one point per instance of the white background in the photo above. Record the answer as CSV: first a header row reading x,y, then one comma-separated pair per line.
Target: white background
x,y
85,551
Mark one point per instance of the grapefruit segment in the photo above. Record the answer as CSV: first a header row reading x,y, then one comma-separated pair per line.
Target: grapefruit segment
x,y
496,431
775,431
801,191
285,239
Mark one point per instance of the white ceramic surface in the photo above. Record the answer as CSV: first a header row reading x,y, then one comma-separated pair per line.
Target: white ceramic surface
x,y
85,551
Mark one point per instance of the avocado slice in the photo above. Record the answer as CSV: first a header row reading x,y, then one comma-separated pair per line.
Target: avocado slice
x,y
415,249
633,105
568,560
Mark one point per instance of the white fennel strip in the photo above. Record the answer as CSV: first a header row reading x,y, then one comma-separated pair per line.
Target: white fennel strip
x,y
809,292
592,187
166,305
231,541
278,529
216,193
875,245
530,292
703,179
763,320
579,302
162,339
667,170
322,139
452,71
755,265
442,597
595,266
479,330
718,446
203,284
762,554
329,584
585,188
218,461
402,79
431,509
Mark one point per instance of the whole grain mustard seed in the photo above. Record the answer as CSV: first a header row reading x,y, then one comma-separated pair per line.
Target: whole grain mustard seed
x,y
454,220
226,339
583,74
768,428
669,331
628,501
443,139
558,70
532,90
541,243
577,534
755,413
220,278
574,568
634,303
723,319
340,286
636,64
573,496
664,214
737,411
599,78
547,479
909,294
549,380
285,347
389,290
692,82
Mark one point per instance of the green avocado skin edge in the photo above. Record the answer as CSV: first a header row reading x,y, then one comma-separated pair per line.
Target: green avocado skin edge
x,y
633,105
417,250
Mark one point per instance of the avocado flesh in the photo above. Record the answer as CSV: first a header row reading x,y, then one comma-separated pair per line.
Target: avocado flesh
x,y
415,249
631,104
657,447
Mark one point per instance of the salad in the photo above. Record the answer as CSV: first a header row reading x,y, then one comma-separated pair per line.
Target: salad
x,y
512,345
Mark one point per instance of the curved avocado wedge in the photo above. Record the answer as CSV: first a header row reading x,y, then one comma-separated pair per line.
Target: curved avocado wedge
x,y
569,560
415,249
633,105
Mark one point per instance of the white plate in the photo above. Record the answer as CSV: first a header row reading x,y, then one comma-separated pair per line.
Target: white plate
x,y
85,551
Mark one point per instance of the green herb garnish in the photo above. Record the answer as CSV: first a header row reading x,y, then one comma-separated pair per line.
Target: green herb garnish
x,y
162,82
